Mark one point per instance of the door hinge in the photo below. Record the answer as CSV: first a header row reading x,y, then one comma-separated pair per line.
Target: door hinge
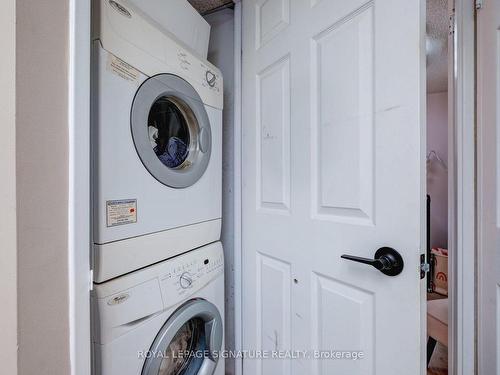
x,y
424,266
479,4
91,280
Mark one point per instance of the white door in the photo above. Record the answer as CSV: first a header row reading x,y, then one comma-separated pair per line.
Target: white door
x,y
333,164
488,120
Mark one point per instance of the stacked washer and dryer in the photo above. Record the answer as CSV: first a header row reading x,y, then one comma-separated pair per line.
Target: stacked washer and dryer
x,y
158,295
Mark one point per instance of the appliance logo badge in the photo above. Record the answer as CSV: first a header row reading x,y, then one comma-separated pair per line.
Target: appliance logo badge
x,y
120,9
118,299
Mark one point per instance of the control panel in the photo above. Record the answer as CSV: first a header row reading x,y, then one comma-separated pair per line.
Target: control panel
x,y
155,288
189,273
205,75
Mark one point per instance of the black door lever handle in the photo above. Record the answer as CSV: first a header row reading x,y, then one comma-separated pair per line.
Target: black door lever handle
x,y
386,260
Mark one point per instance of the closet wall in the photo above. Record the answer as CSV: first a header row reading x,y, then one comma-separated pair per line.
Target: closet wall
x,y
221,54
437,175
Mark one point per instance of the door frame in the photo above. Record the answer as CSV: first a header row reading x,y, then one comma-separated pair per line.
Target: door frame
x,y
462,190
237,183
9,229
79,214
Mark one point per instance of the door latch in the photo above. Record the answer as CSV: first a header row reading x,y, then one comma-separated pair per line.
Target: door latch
x,y
424,266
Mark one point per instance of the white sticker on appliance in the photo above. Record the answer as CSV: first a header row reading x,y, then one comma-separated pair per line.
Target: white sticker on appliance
x,y
121,212
122,69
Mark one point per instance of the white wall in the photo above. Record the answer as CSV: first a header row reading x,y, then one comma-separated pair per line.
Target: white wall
x,y
8,234
42,186
221,54
437,176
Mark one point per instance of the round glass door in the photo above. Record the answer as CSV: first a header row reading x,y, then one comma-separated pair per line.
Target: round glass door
x,y
171,130
186,342
181,353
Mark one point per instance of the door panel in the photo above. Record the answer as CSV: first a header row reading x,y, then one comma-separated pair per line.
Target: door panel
x,y
273,327
332,164
357,306
342,119
272,16
273,101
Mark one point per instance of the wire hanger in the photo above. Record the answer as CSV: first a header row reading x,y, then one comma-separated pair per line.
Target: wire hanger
x,y
433,155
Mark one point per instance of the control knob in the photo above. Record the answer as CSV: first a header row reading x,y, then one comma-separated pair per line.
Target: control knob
x,y
211,78
185,280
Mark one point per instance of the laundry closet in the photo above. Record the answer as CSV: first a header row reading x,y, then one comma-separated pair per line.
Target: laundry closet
x,y
258,185
156,138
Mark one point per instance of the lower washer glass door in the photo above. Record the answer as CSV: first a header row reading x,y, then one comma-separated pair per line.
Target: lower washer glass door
x,y
186,342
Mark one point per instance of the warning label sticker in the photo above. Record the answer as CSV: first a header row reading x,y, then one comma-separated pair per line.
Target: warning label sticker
x,y
121,212
122,69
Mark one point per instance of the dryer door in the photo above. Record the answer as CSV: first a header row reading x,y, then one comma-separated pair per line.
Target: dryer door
x,y
186,342
171,130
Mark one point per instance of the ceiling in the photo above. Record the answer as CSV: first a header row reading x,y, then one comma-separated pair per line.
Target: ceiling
x,y
437,45
204,6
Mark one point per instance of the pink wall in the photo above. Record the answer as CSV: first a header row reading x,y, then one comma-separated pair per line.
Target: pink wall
x,y
437,176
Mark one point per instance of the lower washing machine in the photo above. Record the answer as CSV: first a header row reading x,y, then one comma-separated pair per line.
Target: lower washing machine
x,y
166,319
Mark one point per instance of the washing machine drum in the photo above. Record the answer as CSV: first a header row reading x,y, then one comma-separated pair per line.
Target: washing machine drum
x,y
187,342
171,130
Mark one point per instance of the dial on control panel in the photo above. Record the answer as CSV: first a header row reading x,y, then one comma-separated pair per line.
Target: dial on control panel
x,y
185,280
211,78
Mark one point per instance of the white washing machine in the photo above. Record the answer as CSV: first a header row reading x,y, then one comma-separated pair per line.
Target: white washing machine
x,y
157,143
166,319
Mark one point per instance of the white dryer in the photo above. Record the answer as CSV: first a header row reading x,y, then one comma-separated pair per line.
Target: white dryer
x,y
157,143
166,319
